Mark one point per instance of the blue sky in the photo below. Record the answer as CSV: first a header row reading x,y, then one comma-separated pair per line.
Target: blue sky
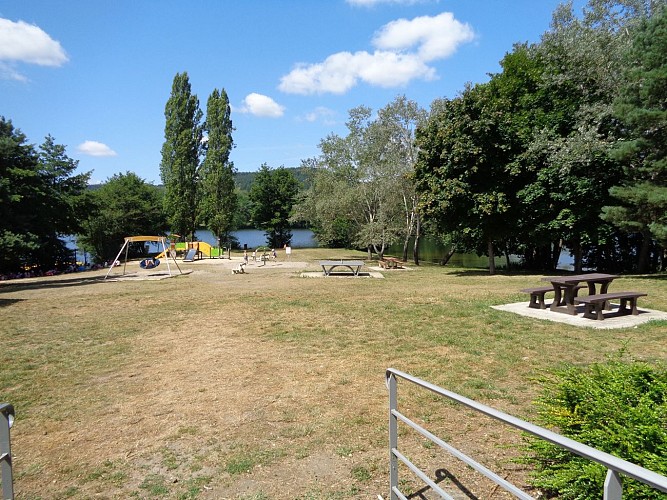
x,y
96,74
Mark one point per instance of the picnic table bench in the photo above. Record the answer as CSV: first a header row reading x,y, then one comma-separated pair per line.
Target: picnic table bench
x,y
353,265
537,295
593,304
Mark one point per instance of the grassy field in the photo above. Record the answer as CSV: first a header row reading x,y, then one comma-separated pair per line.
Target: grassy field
x,y
268,385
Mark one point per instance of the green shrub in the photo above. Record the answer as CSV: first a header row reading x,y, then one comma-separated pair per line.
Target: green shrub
x,y
617,407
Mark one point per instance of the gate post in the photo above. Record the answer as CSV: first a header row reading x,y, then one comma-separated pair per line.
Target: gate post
x,y
6,420
393,436
613,488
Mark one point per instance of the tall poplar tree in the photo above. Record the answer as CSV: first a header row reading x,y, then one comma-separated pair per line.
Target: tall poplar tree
x,y
181,151
218,196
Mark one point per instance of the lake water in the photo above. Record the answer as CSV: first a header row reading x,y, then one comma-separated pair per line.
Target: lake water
x,y
433,251
253,238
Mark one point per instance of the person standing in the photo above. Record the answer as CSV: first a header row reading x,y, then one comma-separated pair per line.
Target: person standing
x,y
245,257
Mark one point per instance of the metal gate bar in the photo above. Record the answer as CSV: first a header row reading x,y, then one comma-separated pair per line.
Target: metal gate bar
x,y
613,488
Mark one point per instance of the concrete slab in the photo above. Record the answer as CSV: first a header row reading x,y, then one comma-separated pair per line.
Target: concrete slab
x,y
147,276
611,318
320,274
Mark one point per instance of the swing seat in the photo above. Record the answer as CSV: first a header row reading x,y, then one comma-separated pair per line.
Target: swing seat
x,y
149,263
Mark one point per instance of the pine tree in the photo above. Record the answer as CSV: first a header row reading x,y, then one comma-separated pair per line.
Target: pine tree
x,y
40,200
642,108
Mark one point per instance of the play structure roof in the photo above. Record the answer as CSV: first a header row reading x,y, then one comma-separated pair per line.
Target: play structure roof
x,y
144,238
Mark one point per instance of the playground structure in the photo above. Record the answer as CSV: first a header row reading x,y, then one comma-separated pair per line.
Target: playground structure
x,y
201,249
160,240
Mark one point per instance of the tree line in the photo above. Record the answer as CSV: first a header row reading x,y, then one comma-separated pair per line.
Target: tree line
x,y
563,148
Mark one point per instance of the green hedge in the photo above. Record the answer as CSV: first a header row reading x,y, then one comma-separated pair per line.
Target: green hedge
x,y
617,407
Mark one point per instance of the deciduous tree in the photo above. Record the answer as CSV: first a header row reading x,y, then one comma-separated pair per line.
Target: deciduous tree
x,y
464,171
272,195
400,120
125,205
361,194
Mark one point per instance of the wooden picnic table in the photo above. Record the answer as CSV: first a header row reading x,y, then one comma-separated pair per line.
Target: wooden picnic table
x,y
390,263
565,289
353,265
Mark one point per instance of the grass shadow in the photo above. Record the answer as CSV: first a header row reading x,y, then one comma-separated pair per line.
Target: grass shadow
x,y
9,302
662,276
39,284
441,475
462,273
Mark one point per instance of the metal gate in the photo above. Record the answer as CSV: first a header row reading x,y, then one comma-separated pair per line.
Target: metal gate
x,y
6,421
613,488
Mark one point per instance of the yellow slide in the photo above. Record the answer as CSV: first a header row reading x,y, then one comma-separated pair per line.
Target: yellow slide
x,y
203,247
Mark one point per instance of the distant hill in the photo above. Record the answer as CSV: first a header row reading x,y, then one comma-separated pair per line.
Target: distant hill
x,y
245,179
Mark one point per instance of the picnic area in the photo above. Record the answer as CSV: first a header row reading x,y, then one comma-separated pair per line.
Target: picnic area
x,y
268,385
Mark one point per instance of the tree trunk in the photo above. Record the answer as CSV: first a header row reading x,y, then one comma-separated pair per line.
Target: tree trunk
x,y
406,243
378,251
415,250
445,259
370,252
642,265
492,260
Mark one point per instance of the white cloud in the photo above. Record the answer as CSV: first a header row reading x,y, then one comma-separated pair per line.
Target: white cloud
x,y
25,42
320,113
261,105
94,148
8,72
21,42
404,49
435,37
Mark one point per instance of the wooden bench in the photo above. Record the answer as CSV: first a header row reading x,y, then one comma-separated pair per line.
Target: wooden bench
x,y
537,295
353,265
595,303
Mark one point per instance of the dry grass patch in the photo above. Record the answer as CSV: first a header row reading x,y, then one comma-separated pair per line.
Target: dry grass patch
x,y
268,385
